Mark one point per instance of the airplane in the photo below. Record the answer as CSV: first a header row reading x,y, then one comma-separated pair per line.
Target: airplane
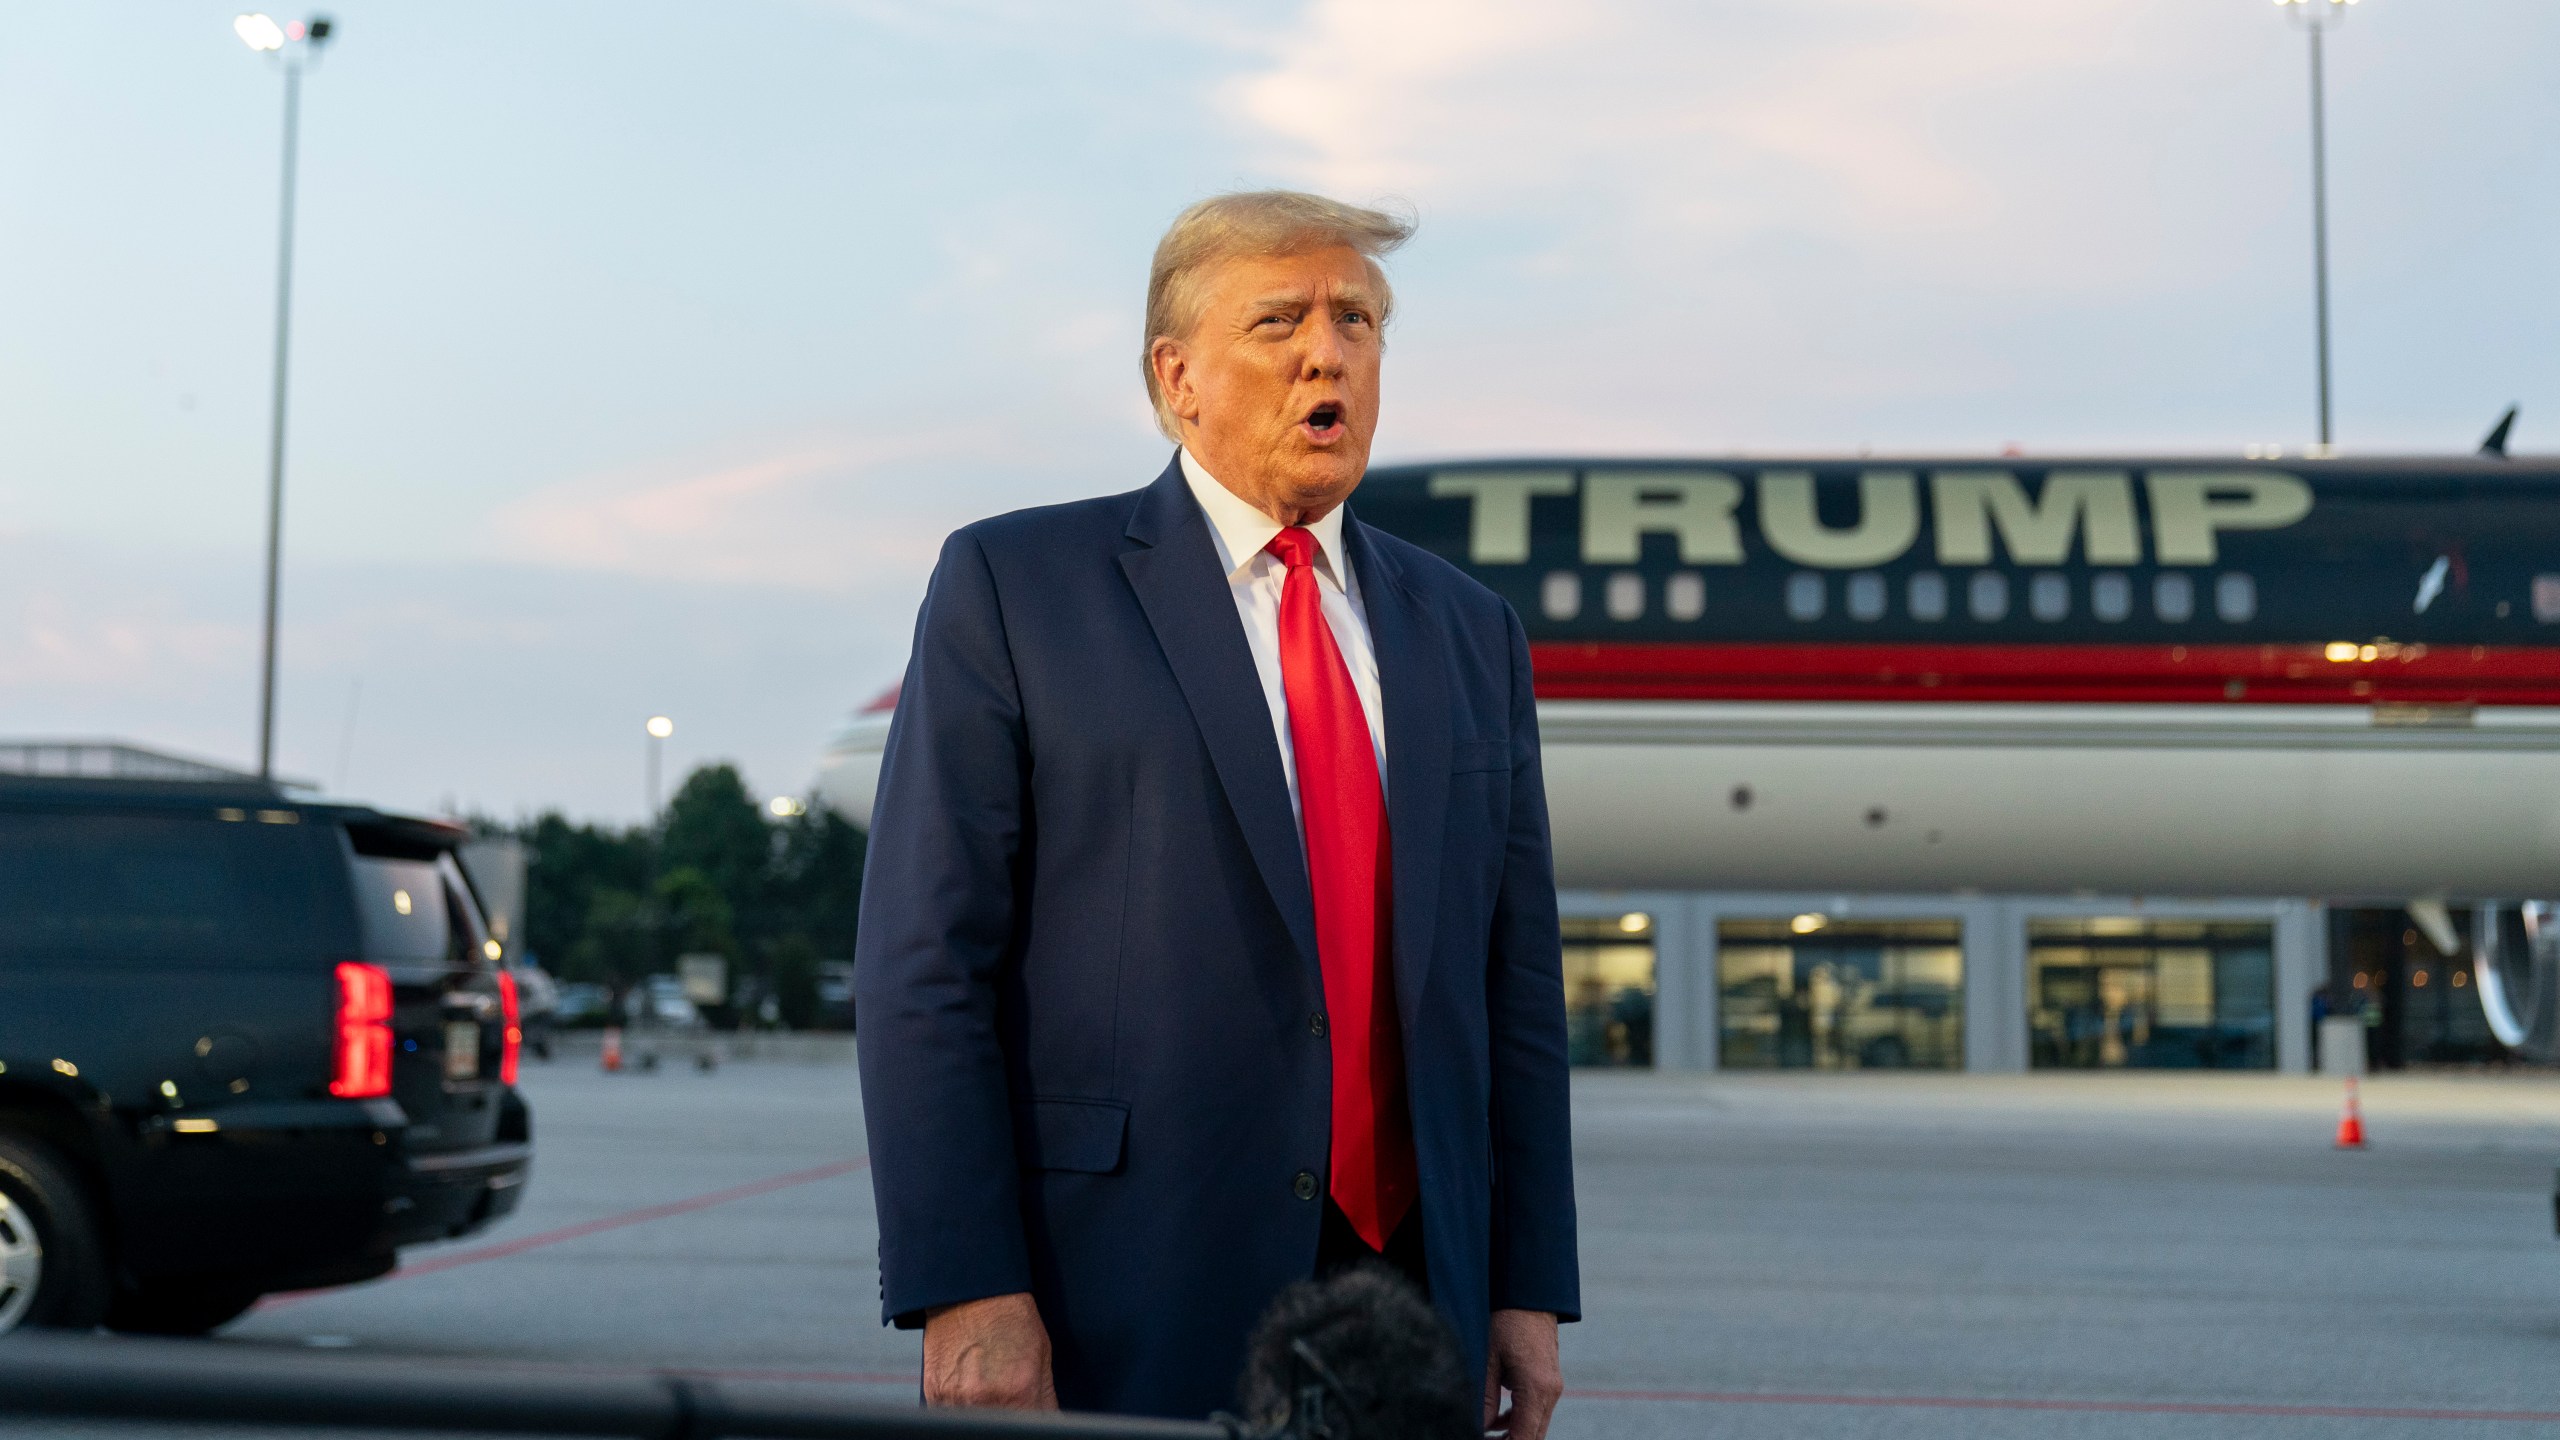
x,y
2139,675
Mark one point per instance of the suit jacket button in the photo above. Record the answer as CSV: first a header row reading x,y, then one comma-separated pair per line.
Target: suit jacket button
x,y
1315,1024
1304,1187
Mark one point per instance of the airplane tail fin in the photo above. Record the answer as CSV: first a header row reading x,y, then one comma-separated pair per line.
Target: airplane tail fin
x,y
2496,444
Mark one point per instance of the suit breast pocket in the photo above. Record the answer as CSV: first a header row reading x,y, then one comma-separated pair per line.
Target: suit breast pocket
x,y
1475,755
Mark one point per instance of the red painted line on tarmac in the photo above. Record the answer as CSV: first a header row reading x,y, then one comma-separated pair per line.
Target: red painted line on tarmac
x,y
624,1220
2085,1407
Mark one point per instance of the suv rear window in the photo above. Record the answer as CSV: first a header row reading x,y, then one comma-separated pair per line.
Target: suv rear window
x,y
156,889
413,912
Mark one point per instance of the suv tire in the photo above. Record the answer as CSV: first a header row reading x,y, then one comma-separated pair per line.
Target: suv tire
x,y
48,1241
180,1307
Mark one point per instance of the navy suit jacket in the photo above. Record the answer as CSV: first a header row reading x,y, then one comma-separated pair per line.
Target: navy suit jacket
x,y
1087,978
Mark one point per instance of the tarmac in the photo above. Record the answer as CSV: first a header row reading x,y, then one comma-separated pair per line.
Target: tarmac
x,y
2131,1255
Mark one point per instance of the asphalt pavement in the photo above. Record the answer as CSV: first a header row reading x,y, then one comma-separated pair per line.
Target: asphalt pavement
x,y
1819,1256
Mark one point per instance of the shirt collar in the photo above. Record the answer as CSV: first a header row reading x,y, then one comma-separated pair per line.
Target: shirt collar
x,y
1241,531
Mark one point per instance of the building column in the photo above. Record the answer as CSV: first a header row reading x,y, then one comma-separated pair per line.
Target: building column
x,y
1674,982
1995,987
2301,966
1706,1011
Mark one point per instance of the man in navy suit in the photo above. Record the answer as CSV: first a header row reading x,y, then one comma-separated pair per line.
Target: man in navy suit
x,y
1209,936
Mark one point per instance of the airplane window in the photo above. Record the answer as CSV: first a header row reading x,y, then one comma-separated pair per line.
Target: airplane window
x,y
2110,596
2048,596
2546,598
2173,597
2235,597
1625,596
1804,596
1928,596
1561,596
1684,595
1986,595
1866,596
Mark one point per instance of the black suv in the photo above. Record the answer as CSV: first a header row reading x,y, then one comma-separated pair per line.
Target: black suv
x,y
248,1043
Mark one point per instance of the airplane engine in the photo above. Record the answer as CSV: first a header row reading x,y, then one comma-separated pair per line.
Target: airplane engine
x,y
2516,957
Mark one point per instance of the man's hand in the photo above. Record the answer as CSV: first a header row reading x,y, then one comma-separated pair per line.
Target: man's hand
x,y
1524,1362
996,1352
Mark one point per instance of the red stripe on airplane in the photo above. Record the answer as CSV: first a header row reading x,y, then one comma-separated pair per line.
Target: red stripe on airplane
x,y
2087,674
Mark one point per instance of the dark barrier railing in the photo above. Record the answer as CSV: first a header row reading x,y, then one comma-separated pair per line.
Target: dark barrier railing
x,y
97,1378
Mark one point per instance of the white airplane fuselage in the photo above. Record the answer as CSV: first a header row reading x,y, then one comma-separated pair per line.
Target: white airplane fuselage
x,y
2116,799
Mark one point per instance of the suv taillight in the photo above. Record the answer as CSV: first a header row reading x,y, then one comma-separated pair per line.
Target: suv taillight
x,y
511,1014
363,1068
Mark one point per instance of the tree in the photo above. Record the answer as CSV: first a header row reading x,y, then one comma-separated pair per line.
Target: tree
x,y
776,897
568,865
795,981
817,880
693,915
613,939
714,827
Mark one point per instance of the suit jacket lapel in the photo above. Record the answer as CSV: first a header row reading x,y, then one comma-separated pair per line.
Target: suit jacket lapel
x,y
1413,682
1174,570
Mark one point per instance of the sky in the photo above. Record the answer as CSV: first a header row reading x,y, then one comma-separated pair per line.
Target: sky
x,y
643,353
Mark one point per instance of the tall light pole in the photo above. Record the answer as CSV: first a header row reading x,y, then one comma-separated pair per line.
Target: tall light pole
x,y
2317,17
295,44
660,727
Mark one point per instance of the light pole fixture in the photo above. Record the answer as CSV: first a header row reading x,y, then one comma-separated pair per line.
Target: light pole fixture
x,y
2317,17
296,45
660,727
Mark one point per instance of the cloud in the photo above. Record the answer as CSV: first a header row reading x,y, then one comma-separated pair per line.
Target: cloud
x,y
104,641
1370,94
497,687
1713,118
831,515
1777,225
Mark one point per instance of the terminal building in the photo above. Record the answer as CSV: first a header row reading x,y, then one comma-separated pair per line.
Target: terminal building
x,y
2008,767
1745,981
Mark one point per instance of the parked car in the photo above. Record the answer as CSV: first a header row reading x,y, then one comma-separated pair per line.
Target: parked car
x,y
661,1000
248,1043
583,1003
537,1005
835,994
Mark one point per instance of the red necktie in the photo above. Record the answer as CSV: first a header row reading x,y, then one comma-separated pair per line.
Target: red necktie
x,y
1345,814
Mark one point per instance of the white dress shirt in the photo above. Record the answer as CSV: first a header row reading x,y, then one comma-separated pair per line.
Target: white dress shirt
x,y
1254,578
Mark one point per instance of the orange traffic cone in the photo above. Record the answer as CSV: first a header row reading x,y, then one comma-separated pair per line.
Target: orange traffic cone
x,y
2351,1121
613,1053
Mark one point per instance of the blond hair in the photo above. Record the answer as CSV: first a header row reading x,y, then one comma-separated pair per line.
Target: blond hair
x,y
1251,223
